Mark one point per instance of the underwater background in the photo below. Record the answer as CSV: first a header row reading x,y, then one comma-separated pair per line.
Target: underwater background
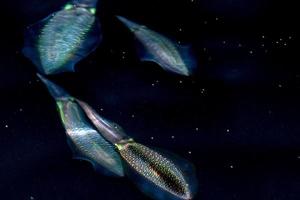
x,y
236,119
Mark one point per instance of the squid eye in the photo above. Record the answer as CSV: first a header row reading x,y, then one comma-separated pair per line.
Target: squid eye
x,y
92,10
68,6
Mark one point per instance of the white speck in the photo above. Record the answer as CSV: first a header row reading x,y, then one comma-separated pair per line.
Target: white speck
x,y
172,136
290,37
217,18
203,91
153,84
263,37
132,116
152,138
101,109
231,166
31,198
21,109
285,44
251,52
6,126
190,152
180,81
280,86
240,45
298,157
180,29
263,45
197,129
228,130
224,42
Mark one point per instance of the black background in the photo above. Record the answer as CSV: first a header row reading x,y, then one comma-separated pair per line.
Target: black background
x,y
236,119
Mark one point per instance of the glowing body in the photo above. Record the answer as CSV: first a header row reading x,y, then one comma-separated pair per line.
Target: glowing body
x,y
160,49
62,36
159,176
156,168
84,140
58,42
152,166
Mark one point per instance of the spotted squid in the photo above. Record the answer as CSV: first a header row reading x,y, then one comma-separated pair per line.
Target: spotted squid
x,y
157,173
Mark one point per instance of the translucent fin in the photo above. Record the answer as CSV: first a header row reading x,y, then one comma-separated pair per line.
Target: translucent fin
x,y
90,44
85,142
188,57
30,49
155,174
58,42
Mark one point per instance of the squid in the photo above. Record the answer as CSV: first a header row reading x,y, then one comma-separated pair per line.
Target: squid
x,y
154,47
56,43
159,174
84,140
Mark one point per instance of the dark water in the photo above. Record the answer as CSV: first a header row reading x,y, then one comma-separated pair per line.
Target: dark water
x,y
237,119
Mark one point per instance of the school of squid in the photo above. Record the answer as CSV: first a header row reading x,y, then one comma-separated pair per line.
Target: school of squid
x,y
55,45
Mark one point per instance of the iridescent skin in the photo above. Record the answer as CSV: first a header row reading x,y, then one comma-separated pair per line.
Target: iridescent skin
x,y
159,48
96,146
84,140
62,37
150,164
156,168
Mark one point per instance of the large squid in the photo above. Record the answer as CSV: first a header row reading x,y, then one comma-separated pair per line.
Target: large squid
x,y
158,174
56,43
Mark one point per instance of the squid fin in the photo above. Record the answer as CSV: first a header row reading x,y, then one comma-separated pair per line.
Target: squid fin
x,y
188,57
31,36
